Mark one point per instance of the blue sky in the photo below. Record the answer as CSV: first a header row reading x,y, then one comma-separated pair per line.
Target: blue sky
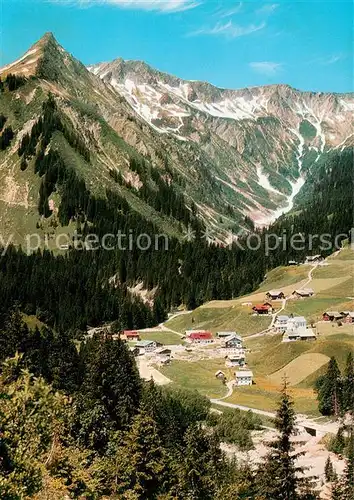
x,y
307,44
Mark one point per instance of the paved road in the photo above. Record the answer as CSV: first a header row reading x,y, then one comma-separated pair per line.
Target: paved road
x,y
302,420
243,408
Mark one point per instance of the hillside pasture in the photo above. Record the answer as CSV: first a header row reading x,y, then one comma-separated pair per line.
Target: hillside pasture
x,y
299,368
165,338
264,395
239,319
198,375
283,277
313,307
267,356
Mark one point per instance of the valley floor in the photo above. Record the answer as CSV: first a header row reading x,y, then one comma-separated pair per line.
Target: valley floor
x,y
267,356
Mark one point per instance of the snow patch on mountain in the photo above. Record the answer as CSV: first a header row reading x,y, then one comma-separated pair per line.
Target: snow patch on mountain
x,y
237,108
296,186
263,180
146,101
347,105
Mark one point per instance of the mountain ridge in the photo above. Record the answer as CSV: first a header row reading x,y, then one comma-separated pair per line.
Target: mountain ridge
x,y
173,105
149,66
244,156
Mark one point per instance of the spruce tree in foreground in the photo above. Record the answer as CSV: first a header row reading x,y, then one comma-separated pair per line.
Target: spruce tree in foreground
x,y
202,463
330,390
142,469
348,478
279,477
348,386
330,473
338,443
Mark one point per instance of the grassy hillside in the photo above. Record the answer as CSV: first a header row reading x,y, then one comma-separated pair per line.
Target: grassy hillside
x,y
229,318
283,276
166,338
198,375
268,357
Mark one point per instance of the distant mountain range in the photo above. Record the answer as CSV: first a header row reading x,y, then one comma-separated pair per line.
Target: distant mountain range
x,y
228,154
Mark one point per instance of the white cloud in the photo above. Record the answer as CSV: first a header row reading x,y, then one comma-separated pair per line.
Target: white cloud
x,y
268,8
266,67
229,30
232,11
156,5
328,60
332,59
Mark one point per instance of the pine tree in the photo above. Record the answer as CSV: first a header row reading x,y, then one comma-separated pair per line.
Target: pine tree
x,y
278,477
201,460
329,471
111,390
14,335
348,386
239,483
329,387
338,444
336,490
141,461
348,478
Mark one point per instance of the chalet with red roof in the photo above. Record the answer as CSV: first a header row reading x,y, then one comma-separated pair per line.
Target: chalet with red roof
x,y
131,335
262,308
202,337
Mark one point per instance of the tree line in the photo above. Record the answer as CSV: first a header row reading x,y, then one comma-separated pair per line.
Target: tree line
x,y
335,390
77,421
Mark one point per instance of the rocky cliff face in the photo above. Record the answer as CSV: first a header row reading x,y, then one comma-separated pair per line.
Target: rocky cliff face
x,y
259,139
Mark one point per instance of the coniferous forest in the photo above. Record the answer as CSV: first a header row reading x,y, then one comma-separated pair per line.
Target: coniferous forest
x,y
78,422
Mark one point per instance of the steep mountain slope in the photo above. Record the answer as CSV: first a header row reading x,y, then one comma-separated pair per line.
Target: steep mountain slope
x,y
261,141
85,142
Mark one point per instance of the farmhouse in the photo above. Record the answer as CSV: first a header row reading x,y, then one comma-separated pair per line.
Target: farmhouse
x,y
220,375
275,295
223,335
145,346
244,377
303,292
348,316
281,323
232,342
163,352
201,337
237,359
131,335
313,258
262,308
332,316
296,322
299,334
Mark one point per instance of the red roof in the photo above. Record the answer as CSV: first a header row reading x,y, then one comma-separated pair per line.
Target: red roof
x,y
261,307
130,333
201,336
